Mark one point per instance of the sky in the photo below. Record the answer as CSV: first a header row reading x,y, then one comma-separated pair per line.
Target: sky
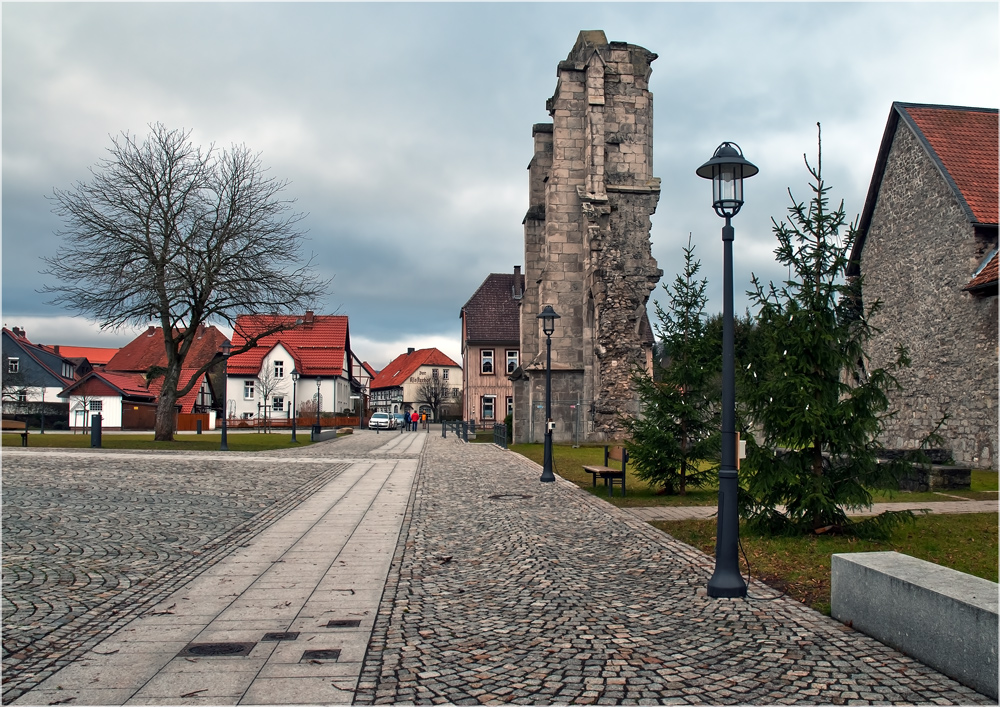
x,y
405,129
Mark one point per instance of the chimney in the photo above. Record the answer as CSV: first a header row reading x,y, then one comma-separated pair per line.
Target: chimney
x,y
518,293
150,331
308,321
18,331
56,347
410,350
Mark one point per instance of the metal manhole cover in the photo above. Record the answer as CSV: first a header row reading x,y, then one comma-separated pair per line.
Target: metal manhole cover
x,y
344,623
510,497
210,650
329,654
281,636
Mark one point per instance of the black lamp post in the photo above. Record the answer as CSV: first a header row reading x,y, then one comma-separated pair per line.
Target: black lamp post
x,y
295,383
548,317
317,429
727,169
226,348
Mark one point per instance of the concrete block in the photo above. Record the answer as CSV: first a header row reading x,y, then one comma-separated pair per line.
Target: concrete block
x,y
942,617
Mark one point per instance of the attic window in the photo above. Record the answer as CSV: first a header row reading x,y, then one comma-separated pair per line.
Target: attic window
x,y
13,364
279,369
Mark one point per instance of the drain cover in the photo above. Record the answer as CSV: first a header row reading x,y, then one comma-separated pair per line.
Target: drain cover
x,y
281,636
510,496
331,654
209,650
344,623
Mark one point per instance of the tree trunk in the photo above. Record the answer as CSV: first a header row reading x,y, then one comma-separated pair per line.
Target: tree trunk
x,y
166,408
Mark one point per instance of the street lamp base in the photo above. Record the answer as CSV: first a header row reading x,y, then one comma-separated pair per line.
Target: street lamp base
x,y
724,585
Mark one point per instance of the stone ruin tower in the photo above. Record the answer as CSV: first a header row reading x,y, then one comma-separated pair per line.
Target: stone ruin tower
x,y
586,244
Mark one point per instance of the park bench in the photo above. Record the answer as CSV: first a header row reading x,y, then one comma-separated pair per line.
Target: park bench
x,y
19,427
611,475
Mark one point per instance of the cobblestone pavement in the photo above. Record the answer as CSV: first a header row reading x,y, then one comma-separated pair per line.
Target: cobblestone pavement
x,y
92,539
504,589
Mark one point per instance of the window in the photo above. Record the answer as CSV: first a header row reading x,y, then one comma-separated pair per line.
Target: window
x,y
248,416
511,360
510,405
434,373
96,405
486,356
489,406
13,364
444,374
67,370
248,390
22,396
278,403
279,369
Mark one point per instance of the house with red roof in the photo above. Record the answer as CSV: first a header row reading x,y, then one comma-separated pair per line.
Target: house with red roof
x,y
421,380
306,366
125,393
33,376
926,249
491,345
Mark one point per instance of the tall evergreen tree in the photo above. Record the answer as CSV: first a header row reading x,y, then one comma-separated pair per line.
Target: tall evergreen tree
x,y
679,427
818,404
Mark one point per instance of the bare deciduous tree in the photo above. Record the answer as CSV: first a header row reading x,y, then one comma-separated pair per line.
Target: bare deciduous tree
x,y
435,392
167,231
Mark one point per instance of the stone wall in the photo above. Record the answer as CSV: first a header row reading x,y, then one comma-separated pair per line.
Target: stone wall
x,y
920,252
587,248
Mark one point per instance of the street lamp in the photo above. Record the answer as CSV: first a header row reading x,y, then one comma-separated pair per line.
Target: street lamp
x,y
548,317
226,348
727,169
317,429
295,382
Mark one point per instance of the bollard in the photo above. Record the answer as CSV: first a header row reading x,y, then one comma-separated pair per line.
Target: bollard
x,y
95,431
197,426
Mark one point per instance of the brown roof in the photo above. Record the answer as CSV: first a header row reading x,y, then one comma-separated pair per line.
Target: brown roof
x,y
146,351
962,143
403,366
986,277
317,346
492,314
134,385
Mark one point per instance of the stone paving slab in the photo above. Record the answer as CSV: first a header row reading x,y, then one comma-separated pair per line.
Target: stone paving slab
x,y
505,589
652,513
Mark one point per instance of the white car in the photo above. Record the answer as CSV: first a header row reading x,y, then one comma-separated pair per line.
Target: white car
x,y
379,421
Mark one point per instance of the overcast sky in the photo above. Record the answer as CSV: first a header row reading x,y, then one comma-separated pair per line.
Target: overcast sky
x,y
405,129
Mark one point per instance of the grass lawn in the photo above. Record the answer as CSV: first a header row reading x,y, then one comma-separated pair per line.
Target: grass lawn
x,y
568,463
801,565
242,442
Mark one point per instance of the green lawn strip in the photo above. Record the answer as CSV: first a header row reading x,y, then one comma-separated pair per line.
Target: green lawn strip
x,y
967,542
250,442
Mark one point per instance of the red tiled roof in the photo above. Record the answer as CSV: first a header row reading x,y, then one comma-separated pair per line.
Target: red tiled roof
x,y
985,277
146,351
317,347
133,385
403,366
492,313
965,141
368,367
95,355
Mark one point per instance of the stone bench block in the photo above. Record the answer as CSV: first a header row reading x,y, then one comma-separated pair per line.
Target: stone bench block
x,y
943,618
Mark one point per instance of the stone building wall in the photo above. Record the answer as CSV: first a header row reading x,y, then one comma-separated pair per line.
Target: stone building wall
x,y
587,248
920,252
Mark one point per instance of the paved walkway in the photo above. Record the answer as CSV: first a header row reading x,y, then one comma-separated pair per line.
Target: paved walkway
x,y
453,576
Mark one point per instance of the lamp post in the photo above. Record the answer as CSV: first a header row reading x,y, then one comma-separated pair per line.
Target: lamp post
x,y
317,429
226,348
295,382
548,317
727,170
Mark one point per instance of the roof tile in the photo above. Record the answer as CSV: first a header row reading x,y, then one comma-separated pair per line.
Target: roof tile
x,y
492,313
317,348
403,366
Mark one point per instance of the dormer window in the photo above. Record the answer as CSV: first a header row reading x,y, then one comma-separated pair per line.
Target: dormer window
x,y
279,369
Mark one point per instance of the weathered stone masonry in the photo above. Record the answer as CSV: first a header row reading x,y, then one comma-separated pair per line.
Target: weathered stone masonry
x,y
586,238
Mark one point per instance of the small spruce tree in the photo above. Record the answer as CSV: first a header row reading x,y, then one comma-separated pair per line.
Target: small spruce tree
x,y
812,394
678,430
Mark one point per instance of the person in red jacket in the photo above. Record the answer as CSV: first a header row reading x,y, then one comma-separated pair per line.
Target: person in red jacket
x,y
413,420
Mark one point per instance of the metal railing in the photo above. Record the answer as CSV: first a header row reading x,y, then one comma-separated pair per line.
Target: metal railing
x,y
458,427
500,435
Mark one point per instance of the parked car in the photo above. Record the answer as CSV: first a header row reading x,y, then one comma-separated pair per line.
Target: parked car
x,y
399,420
380,421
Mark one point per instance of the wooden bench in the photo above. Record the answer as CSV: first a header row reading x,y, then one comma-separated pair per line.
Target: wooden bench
x,y
611,475
18,427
